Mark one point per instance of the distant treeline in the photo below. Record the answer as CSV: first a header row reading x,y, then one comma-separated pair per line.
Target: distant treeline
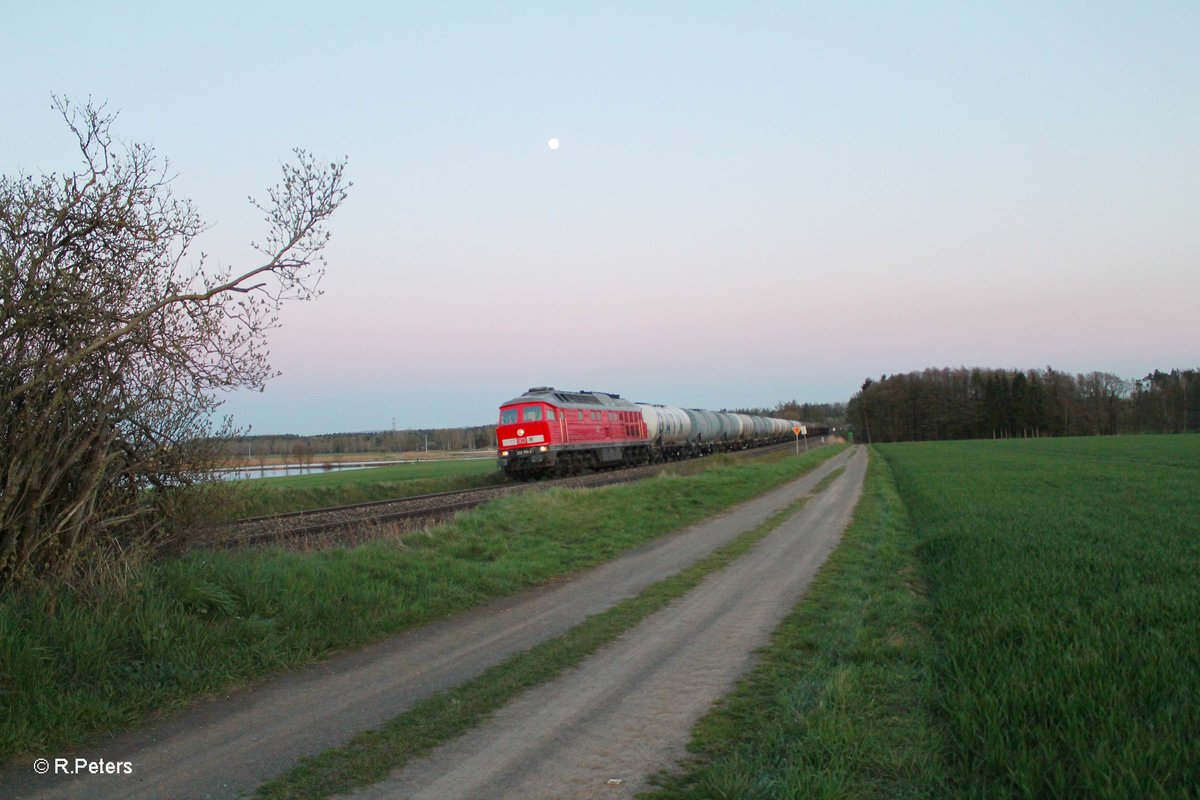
x,y
831,414
998,403
473,438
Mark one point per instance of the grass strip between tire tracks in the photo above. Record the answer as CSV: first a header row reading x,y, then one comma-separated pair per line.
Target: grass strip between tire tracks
x,y
371,756
838,705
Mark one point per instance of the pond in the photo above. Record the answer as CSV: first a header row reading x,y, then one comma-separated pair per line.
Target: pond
x,y
280,470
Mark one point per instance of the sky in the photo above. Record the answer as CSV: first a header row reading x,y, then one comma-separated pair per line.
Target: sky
x,y
752,202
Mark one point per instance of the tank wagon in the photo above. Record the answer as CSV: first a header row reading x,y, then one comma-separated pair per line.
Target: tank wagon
x,y
551,432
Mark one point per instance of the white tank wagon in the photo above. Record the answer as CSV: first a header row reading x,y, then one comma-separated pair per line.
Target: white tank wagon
x,y
745,434
731,428
706,430
668,429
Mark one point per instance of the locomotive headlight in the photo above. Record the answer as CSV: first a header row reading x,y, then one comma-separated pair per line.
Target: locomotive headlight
x,y
504,452
543,449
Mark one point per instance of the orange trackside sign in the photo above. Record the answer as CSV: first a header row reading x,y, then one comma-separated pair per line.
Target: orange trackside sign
x,y
796,430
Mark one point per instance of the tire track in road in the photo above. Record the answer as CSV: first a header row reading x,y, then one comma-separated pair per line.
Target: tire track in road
x,y
627,712
225,748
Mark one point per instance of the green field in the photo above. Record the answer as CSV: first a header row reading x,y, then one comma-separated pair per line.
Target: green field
x,y
262,496
1004,619
1064,579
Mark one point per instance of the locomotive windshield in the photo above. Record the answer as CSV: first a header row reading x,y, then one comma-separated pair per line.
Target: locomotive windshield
x,y
509,416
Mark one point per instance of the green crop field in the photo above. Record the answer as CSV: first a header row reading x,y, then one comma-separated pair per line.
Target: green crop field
x,y
1064,580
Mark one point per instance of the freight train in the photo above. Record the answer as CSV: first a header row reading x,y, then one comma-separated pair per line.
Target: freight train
x,y
550,432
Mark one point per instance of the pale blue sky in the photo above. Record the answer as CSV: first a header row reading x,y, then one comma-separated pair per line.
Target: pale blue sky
x,y
752,202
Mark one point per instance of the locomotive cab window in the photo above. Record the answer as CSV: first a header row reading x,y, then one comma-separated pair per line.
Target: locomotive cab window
x,y
531,414
549,414
508,416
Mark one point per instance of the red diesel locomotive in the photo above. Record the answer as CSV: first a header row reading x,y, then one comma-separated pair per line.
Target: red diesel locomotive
x,y
566,432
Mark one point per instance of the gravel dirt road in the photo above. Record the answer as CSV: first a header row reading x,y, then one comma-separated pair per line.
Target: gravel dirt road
x,y
626,713
226,747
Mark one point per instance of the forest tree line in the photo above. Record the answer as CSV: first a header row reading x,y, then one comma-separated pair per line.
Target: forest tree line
x,y
477,437
979,403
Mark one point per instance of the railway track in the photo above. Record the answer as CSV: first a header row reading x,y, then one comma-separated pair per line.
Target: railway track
x,y
329,523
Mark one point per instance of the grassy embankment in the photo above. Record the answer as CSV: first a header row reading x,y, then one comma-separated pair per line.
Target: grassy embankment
x,y
1008,619
73,665
262,496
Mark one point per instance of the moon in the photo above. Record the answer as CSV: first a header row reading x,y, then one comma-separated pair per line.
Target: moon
x,y
552,144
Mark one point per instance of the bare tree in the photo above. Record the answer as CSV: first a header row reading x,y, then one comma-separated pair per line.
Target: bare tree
x,y
302,452
114,339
